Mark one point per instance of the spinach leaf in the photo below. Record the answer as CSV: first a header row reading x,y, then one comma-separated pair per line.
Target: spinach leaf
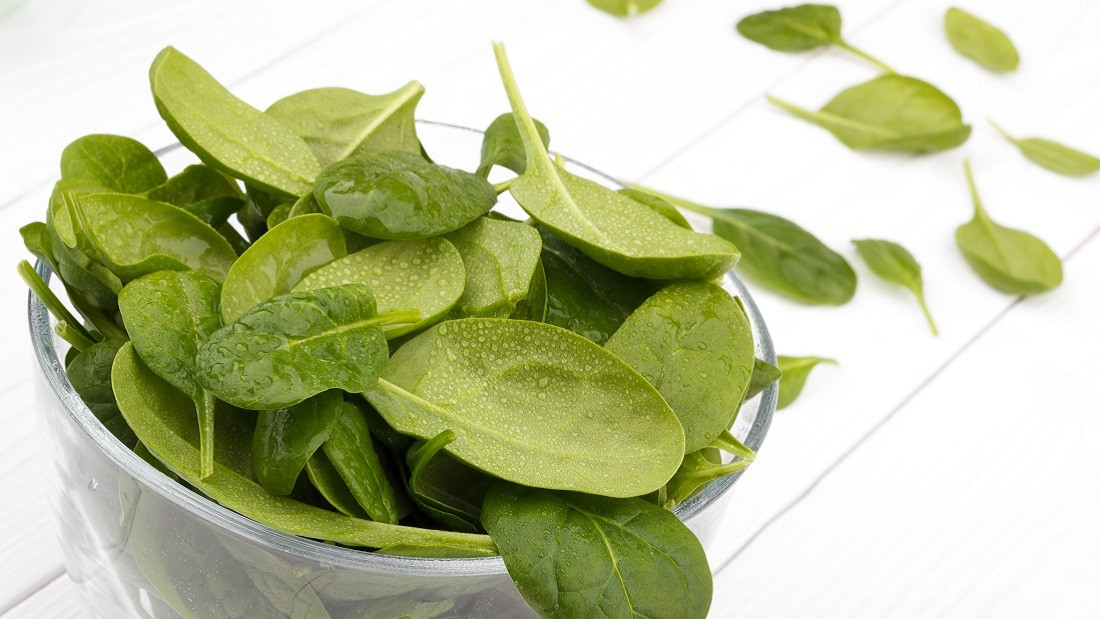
x,y
326,479
661,205
763,374
583,295
399,195
351,452
90,375
286,438
609,227
500,258
695,472
117,163
894,263
297,345
420,274
227,133
1053,156
445,489
779,254
338,123
503,146
534,306
693,343
891,113
163,420
980,41
534,404
795,371
1007,259
280,214
134,236
279,260
168,315
624,8
575,555
801,28
202,191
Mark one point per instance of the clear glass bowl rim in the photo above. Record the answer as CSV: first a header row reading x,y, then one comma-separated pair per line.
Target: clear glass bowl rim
x,y
53,369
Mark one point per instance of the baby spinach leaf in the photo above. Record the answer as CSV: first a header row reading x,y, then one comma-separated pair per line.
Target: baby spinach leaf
x,y
661,205
795,371
326,479
894,263
980,41
286,438
163,420
168,315
779,254
1053,156
503,146
693,343
1007,259
800,28
417,274
53,304
575,555
275,263
352,454
338,123
227,133
118,163
763,374
399,195
90,375
696,472
279,215
500,259
449,492
891,113
609,227
534,306
517,395
134,236
624,8
202,191
297,345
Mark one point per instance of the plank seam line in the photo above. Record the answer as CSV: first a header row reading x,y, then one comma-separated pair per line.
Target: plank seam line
x,y
893,413
60,573
795,70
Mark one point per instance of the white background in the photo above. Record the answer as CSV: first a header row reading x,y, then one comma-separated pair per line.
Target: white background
x,y
949,476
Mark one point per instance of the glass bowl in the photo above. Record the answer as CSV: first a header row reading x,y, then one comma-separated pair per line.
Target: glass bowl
x,y
137,543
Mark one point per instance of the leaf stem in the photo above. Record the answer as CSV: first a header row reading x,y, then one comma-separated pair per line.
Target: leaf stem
x,y
205,405
54,305
503,186
398,317
528,132
728,443
842,44
927,314
1000,130
979,210
73,336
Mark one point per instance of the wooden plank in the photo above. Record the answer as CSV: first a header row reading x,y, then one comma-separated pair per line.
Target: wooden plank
x,y
976,500
57,600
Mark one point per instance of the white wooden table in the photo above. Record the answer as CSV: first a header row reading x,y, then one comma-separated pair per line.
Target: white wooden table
x,y
949,476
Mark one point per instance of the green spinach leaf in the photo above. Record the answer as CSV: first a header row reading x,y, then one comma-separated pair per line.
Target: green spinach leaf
x,y
297,345
202,191
1007,259
90,375
624,8
763,375
420,274
500,258
163,420
399,195
338,123
326,479
534,404
693,343
1052,155
980,41
275,263
696,471
286,438
118,163
801,28
661,205
575,555
891,113
795,371
779,254
227,133
503,145
609,227
168,315
351,452
894,263
445,489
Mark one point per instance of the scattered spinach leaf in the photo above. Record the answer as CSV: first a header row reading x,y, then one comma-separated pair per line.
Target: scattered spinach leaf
x,y
801,28
503,145
890,113
980,41
1007,259
795,371
894,263
1052,155
624,8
